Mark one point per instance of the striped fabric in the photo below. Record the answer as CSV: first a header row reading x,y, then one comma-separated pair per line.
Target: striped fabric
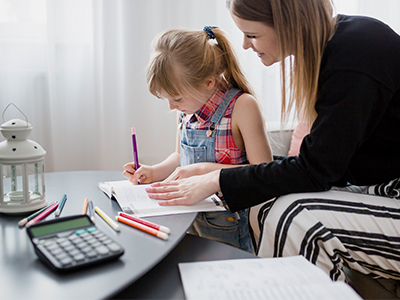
x,y
226,151
332,229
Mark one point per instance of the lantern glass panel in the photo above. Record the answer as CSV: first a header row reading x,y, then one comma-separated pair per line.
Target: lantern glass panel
x,y
13,182
35,182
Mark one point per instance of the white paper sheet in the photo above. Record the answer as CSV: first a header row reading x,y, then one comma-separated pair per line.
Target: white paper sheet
x,y
265,278
133,199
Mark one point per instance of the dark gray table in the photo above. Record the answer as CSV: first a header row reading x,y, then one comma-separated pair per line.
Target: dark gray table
x,y
23,276
164,281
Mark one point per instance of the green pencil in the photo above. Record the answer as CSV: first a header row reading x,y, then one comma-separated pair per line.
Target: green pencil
x,y
25,220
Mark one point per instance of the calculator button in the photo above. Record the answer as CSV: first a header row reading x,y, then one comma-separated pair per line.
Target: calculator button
x,y
87,239
107,241
61,256
87,249
73,237
114,247
79,257
80,231
48,243
98,234
91,254
82,245
84,235
69,248
64,234
91,229
61,240
51,247
66,261
56,251
97,244
73,252
92,241
103,238
77,241
102,250
65,243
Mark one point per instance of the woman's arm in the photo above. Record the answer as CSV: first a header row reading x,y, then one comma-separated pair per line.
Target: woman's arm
x,y
186,191
346,118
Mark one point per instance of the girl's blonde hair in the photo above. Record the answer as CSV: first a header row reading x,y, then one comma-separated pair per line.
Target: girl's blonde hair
x,y
183,59
303,28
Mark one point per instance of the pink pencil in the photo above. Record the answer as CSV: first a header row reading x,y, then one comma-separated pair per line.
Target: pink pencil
x,y
144,222
42,215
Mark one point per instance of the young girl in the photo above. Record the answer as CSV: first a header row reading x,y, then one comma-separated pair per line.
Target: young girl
x,y
220,123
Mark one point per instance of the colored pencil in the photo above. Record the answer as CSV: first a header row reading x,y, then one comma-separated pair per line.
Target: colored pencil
x,y
145,222
42,215
157,233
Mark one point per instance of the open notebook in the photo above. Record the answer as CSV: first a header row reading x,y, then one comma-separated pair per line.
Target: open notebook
x,y
133,199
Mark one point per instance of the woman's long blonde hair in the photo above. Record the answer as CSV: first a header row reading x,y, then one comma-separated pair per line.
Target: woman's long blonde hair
x,y
303,28
183,59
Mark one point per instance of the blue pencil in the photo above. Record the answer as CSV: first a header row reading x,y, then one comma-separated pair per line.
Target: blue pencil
x,y
60,207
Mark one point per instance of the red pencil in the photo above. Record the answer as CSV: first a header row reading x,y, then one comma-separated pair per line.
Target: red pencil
x,y
157,233
42,215
144,222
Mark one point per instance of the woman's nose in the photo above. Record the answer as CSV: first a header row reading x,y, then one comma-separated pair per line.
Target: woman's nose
x,y
246,43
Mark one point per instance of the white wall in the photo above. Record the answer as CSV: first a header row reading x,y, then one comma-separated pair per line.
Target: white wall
x,y
77,70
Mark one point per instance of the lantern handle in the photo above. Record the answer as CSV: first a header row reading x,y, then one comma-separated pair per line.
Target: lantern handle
x,y
4,111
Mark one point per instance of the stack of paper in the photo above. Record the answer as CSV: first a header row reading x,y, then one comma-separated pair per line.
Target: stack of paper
x,y
133,199
286,278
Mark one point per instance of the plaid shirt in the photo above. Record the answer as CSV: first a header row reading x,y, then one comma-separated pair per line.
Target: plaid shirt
x,y
226,151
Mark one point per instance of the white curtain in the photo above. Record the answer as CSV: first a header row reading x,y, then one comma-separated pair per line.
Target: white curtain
x,y
76,68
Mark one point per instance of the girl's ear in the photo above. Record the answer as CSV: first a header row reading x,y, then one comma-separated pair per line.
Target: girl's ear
x,y
210,83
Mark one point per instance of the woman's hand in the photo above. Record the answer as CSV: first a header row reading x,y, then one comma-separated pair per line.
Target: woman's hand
x,y
186,191
144,174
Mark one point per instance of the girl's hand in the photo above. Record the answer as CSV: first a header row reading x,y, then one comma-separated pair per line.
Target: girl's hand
x,y
144,174
185,191
184,172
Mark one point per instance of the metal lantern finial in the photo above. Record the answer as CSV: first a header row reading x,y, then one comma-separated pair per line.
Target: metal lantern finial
x,y
22,186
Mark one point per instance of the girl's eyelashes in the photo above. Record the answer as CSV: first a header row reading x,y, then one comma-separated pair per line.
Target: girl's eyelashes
x,y
250,36
178,100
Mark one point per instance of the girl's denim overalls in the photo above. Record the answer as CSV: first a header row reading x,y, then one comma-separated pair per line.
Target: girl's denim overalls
x,y
224,226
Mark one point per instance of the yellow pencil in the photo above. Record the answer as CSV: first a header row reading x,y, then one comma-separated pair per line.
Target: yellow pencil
x,y
85,204
106,218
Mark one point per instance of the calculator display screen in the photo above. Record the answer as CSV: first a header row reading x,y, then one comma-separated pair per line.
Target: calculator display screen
x,y
60,226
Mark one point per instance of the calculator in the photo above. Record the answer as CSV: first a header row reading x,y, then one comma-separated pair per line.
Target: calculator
x,y
72,242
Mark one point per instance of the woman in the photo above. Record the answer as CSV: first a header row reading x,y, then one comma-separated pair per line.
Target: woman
x,y
344,75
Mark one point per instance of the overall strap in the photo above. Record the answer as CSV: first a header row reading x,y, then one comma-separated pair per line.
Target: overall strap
x,y
220,112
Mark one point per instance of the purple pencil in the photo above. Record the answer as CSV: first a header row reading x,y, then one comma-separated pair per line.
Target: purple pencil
x,y
135,152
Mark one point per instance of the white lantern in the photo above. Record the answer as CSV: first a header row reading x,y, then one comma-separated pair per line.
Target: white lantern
x,y
22,186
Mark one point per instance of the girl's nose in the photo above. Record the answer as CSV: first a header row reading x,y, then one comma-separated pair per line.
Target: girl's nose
x,y
172,105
